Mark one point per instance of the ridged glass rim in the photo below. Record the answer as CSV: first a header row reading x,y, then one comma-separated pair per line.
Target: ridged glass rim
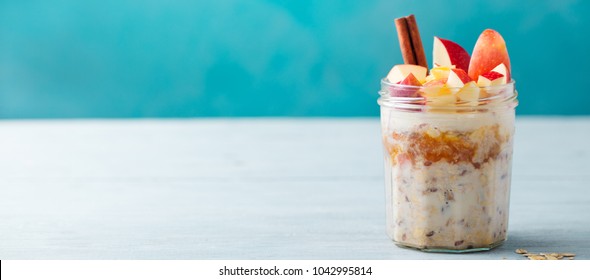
x,y
506,96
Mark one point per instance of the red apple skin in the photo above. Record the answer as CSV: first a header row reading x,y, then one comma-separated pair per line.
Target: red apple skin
x,y
459,56
489,51
410,80
462,75
411,91
492,75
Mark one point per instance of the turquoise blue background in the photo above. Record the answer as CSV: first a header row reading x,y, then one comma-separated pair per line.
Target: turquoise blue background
x,y
66,58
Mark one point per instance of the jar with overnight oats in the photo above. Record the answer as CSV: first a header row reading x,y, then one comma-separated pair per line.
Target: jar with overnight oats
x,y
448,155
448,141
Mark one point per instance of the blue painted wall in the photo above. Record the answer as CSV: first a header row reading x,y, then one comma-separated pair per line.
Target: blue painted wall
x,y
67,58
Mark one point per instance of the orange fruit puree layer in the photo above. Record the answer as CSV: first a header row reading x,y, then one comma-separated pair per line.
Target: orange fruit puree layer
x,y
427,145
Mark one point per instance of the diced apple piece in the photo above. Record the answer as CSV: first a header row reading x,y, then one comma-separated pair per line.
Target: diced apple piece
x,y
437,93
434,87
399,72
410,91
457,78
429,78
441,72
469,94
435,83
442,99
489,51
449,53
491,78
410,80
502,69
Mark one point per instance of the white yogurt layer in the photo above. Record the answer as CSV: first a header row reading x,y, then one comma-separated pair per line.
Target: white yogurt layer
x,y
406,120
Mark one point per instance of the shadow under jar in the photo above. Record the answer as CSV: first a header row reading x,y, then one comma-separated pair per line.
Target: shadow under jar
x,y
447,166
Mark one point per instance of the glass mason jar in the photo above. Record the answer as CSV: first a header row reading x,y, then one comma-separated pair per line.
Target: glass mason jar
x,y
448,160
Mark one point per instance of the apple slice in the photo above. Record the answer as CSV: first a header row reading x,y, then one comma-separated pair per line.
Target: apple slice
x,y
399,72
457,78
491,78
448,53
411,91
489,51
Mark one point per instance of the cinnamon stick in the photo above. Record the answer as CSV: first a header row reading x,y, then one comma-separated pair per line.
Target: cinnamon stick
x,y
419,54
405,41
410,42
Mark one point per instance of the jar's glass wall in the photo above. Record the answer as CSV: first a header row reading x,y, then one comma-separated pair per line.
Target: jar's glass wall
x,y
448,175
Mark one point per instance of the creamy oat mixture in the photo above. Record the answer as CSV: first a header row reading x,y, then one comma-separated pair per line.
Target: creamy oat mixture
x,y
447,177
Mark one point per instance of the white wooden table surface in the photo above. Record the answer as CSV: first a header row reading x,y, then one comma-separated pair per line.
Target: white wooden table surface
x,y
254,189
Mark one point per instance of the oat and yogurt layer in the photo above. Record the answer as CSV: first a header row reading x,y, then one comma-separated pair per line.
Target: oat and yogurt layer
x,y
447,136
447,178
